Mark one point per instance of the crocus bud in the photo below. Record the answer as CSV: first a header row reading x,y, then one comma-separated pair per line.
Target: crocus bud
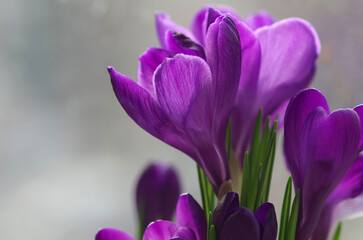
x,y
157,193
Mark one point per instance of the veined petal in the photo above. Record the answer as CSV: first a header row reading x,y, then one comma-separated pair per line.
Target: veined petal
x,y
266,215
245,108
160,230
329,147
145,111
138,103
352,184
179,43
164,24
112,234
183,87
241,225
289,51
178,83
224,209
189,214
261,19
205,17
359,111
342,202
148,62
223,50
184,233
297,111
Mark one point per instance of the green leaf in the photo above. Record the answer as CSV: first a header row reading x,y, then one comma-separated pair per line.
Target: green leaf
x,y
212,233
272,159
257,171
291,228
203,190
285,211
256,138
338,231
245,181
265,180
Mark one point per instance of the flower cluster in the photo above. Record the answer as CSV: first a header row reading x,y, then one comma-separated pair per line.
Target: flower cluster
x,y
208,92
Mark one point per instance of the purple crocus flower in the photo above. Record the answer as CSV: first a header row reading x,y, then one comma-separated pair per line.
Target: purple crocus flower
x,y
346,200
191,225
233,222
278,60
157,193
320,147
185,100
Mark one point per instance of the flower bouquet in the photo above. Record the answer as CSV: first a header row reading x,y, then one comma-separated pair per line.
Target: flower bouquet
x,y
220,92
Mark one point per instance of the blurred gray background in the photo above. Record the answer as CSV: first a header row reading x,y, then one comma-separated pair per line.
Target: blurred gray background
x,y
69,155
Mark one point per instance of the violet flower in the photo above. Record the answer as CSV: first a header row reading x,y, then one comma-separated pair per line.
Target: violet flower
x,y
185,100
233,222
191,225
320,147
157,193
278,60
346,201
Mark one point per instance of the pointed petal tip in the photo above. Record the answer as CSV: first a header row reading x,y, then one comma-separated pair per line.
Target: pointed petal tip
x,y
110,69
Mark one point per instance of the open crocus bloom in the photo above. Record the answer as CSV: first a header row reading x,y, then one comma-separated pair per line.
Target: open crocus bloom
x,y
278,60
320,147
346,201
238,223
191,225
186,101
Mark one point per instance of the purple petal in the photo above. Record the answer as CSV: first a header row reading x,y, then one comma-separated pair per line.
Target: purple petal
x,y
241,225
143,109
138,103
261,19
189,214
179,43
112,234
266,215
329,147
148,62
184,92
160,230
224,57
164,24
297,111
340,203
279,114
205,17
178,84
349,209
184,233
157,193
245,110
359,110
289,51
352,184
198,25
224,209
